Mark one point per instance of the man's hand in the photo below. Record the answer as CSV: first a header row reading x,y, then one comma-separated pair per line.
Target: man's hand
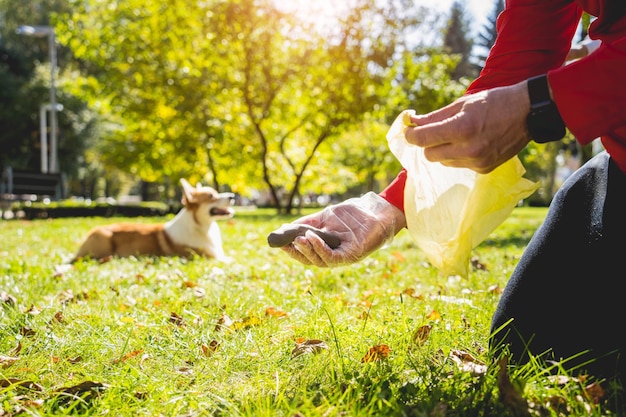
x,y
478,131
362,225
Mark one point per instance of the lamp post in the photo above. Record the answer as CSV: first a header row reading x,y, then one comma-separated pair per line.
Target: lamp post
x,y
43,109
40,32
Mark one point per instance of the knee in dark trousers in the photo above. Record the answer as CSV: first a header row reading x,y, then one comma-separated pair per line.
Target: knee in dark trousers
x,y
564,300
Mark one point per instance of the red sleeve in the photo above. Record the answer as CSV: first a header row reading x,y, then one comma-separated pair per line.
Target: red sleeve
x,y
590,92
394,193
534,36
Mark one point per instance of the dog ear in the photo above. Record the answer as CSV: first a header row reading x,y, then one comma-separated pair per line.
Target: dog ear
x,y
187,191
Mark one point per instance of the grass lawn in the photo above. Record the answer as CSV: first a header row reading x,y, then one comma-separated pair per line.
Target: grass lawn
x,y
263,335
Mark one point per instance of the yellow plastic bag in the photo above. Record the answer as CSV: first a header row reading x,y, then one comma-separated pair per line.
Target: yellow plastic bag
x,y
450,211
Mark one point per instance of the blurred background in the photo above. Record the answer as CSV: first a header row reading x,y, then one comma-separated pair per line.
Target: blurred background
x,y
285,103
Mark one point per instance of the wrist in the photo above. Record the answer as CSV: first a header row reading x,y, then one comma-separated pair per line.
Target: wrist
x,y
385,211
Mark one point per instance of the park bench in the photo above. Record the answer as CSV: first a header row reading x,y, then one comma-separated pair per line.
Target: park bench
x,y
23,185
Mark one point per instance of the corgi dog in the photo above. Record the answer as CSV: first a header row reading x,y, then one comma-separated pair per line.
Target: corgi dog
x,y
193,230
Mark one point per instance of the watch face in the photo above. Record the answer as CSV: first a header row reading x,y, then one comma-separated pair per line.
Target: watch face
x,y
545,124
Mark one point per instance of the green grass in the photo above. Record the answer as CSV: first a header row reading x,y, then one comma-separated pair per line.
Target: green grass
x,y
178,337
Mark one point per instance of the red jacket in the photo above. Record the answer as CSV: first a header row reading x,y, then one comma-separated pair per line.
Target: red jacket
x,y
534,37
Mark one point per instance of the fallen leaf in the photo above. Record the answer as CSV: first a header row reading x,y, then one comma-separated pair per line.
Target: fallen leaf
x,y
434,316
509,396
16,350
128,356
58,317
14,382
411,293
245,323
176,319
421,334
376,353
84,389
33,310
6,298
223,323
399,256
466,362
308,346
27,332
271,311
477,264
494,289
185,370
144,358
59,270
6,361
595,392
208,350
199,292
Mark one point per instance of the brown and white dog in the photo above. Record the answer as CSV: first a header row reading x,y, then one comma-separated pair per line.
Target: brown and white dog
x,y
193,230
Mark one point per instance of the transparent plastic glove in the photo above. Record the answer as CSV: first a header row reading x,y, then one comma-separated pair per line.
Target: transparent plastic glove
x,y
362,224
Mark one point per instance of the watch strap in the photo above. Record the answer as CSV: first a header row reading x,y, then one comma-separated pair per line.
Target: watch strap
x,y
544,121
538,91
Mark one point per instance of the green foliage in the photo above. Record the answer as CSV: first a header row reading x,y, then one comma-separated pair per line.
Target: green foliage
x,y
240,93
169,336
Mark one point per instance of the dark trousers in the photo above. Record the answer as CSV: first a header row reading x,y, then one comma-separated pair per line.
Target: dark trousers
x,y
565,296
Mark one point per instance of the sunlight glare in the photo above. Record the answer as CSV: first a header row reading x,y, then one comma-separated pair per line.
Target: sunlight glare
x,y
319,12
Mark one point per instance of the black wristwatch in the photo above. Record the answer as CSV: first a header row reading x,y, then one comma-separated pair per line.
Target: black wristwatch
x,y
544,121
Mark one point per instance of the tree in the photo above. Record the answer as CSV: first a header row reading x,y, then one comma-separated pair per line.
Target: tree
x,y
488,33
457,42
235,91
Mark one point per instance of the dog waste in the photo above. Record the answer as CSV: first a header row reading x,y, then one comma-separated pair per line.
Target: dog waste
x,y
288,232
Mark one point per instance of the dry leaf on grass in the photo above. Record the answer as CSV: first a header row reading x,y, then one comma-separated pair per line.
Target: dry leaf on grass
x,y
14,382
8,299
594,392
128,356
468,363
271,311
84,390
376,353
510,397
421,334
308,347
226,323
6,361
434,316
176,319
